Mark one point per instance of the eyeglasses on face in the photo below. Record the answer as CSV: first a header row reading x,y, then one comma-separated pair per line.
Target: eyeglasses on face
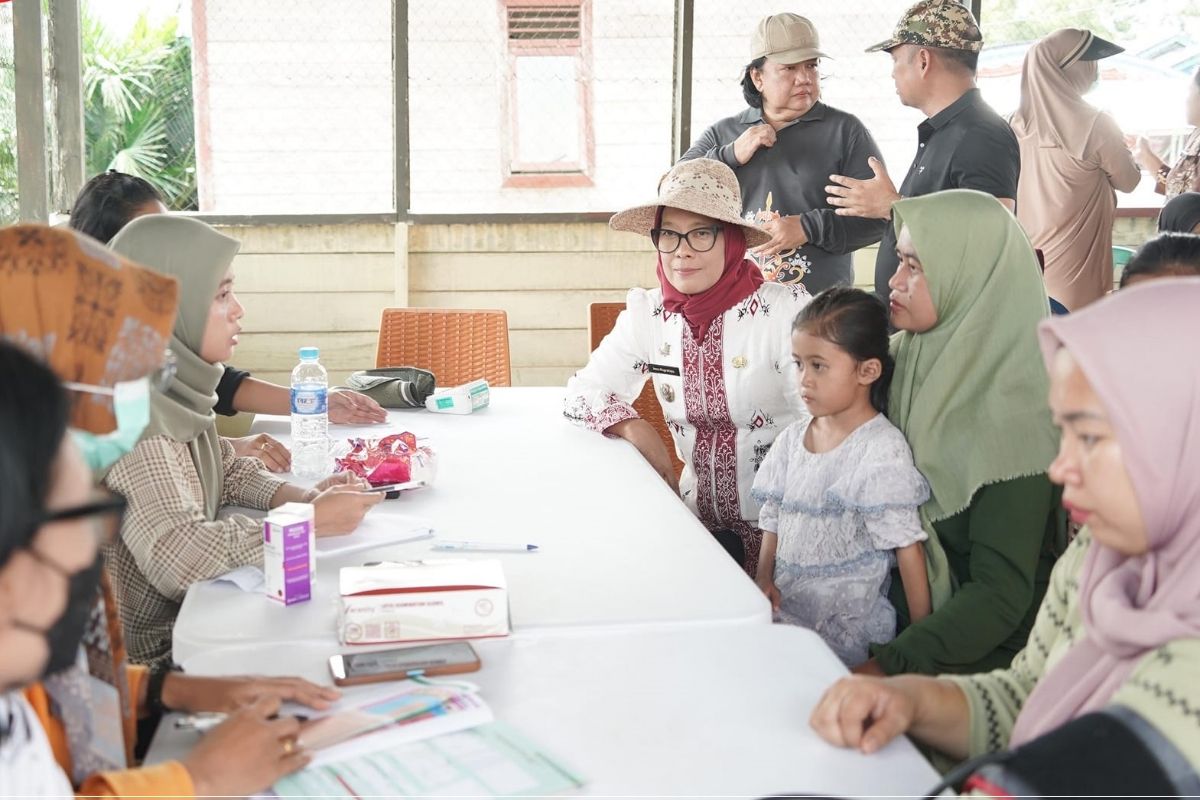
x,y
160,378
700,240
107,510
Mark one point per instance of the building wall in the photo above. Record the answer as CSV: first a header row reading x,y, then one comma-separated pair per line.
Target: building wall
x,y
328,284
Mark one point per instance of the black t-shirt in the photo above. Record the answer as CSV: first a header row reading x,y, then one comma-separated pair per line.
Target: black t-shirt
x,y
966,145
231,379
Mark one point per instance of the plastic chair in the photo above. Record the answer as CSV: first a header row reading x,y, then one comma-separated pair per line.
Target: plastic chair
x,y
601,318
1121,256
456,345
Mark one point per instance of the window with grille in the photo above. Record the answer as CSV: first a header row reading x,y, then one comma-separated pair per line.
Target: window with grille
x,y
549,141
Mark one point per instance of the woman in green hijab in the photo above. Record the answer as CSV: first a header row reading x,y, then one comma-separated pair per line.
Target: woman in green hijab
x,y
182,472
969,393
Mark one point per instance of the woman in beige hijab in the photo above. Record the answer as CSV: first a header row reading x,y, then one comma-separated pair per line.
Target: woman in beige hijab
x,y
182,473
1073,157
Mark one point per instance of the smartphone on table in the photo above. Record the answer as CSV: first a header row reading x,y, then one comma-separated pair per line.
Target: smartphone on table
x,y
447,658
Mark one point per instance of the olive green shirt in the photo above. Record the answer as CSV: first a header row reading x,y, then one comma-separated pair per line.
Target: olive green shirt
x,y
1001,550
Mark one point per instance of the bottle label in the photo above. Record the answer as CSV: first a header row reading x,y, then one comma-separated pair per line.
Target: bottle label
x,y
309,401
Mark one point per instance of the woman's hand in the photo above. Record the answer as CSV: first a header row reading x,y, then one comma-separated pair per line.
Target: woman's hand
x,y
339,509
192,693
641,434
769,588
1144,155
863,713
866,713
347,479
351,408
246,753
265,448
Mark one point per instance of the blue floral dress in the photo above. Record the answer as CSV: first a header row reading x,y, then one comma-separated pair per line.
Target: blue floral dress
x,y
839,516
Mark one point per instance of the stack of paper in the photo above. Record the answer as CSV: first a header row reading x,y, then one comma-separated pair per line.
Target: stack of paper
x,y
420,738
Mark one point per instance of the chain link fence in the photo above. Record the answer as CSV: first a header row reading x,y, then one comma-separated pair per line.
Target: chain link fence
x,y
514,106
294,106
8,120
851,79
538,106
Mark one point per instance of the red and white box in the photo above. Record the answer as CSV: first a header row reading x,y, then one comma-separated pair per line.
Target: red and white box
x,y
422,600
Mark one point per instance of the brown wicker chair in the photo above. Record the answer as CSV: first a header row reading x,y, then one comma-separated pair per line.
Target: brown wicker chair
x,y
456,345
601,318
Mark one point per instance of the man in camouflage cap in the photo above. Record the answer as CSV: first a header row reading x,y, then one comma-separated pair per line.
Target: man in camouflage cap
x,y
963,143
946,24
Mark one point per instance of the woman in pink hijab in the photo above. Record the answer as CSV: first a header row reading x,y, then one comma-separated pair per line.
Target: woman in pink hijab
x,y
1118,635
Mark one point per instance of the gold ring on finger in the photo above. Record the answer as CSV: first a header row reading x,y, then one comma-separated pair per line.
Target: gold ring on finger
x,y
289,746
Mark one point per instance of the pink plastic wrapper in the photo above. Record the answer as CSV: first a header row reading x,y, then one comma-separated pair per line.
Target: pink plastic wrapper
x,y
392,459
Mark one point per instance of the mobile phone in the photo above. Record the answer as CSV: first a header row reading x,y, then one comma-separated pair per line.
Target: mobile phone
x,y
392,490
449,658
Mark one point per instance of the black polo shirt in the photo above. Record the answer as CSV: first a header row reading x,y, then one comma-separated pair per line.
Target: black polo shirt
x,y
790,179
966,145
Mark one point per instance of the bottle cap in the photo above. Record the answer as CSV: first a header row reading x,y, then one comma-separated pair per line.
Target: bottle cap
x,y
309,353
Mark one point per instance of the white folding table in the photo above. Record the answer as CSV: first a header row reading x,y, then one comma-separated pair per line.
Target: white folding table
x,y
616,547
683,711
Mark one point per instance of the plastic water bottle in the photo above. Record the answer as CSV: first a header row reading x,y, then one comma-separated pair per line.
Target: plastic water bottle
x,y
310,416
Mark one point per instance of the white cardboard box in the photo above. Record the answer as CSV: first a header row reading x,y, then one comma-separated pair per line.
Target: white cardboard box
x,y
422,600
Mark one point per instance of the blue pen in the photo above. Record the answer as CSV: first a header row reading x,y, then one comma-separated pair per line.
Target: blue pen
x,y
485,547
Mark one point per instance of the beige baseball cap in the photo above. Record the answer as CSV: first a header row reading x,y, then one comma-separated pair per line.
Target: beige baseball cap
x,y
786,39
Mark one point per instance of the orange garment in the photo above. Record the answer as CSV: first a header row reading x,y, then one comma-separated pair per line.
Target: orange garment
x,y
91,315
169,779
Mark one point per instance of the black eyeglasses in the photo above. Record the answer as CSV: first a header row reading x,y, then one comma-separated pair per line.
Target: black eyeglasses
x,y
700,240
108,510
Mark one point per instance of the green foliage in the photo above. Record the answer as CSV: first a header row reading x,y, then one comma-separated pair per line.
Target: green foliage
x,y
137,105
1117,20
8,125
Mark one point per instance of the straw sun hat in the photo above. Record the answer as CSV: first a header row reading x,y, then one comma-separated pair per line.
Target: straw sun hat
x,y
702,186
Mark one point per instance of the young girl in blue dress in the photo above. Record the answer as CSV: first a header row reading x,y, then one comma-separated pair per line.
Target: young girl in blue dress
x,y
838,489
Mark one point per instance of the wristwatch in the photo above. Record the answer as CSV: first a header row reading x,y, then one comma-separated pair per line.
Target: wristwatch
x,y
1163,172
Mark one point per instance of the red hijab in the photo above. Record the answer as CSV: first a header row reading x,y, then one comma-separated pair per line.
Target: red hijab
x,y
739,280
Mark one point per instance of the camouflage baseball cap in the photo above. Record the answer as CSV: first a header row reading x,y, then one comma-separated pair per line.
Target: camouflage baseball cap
x,y
947,24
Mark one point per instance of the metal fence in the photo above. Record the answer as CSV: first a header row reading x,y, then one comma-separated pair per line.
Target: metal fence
x,y
532,107
8,120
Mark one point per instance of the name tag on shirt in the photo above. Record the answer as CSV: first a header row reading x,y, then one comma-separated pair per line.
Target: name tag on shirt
x,y
663,369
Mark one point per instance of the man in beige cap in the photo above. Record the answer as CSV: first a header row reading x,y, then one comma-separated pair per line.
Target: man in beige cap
x,y
963,143
783,148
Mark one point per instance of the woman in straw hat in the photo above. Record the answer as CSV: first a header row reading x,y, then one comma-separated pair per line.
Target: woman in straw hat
x,y
716,342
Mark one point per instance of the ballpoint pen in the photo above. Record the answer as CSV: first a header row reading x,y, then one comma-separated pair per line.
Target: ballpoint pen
x,y
203,721
484,547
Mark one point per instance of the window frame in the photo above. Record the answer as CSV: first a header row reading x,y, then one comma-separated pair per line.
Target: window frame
x,y
518,174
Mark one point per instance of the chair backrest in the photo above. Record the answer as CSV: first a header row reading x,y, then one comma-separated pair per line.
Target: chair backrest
x,y
1121,257
456,345
601,318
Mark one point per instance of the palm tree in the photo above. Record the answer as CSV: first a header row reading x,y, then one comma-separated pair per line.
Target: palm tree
x,y
137,98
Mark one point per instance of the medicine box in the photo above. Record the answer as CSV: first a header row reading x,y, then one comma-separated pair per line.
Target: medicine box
x,y
289,553
422,600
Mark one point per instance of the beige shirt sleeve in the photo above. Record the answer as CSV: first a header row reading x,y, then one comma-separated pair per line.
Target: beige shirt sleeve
x,y
1108,144
166,531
